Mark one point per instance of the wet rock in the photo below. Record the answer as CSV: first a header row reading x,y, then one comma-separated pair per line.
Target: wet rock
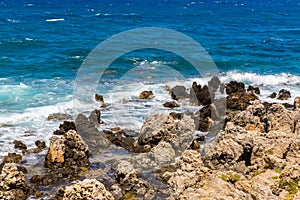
x,y
235,87
146,95
66,152
127,143
99,98
178,92
200,95
13,184
288,106
297,103
86,189
171,104
252,89
129,182
65,127
95,117
214,83
273,95
195,145
12,158
19,145
95,139
41,145
284,94
59,116
239,100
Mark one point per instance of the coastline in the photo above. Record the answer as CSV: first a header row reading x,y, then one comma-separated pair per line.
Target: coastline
x,y
252,152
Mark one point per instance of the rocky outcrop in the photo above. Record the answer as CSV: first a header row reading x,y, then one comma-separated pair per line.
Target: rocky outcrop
x,y
273,95
99,98
297,103
178,92
235,87
171,104
240,100
95,139
20,145
59,116
252,89
65,127
69,151
200,95
86,189
146,95
13,184
284,94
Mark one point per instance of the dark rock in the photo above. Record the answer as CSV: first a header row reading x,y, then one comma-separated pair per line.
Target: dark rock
x,y
127,143
65,127
297,103
171,104
288,106
284,94
66,152
256,90
59,116
195,145
94,138
273,95
205,112
99,98
12,158
240,100
19,145
214,83
234,87
200,95
204,124
129,133
176,115
178,92
95,117
40,144
146,95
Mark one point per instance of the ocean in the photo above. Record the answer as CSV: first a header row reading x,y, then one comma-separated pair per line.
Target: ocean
x,y
43,44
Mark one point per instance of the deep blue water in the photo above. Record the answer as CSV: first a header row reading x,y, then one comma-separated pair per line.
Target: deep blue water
x,y
261,37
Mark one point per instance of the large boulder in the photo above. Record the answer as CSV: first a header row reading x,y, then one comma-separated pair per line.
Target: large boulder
x,y
178,92
235,87
67,152
13,184
284,94
146,95
88,189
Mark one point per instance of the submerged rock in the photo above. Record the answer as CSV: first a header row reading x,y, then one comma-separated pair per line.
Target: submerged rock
x,y
171,104
86,189
273,95
146,95
20,145
13,184
178,92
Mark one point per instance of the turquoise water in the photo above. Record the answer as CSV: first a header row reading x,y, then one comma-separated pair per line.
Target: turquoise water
x,y
43,43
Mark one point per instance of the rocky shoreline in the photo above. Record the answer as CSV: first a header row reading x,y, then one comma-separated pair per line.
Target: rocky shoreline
x,y
249,149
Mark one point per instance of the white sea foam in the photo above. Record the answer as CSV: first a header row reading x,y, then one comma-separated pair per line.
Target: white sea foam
x,y
55,20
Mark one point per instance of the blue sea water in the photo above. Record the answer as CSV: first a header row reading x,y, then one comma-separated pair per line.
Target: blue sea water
x,y
43,44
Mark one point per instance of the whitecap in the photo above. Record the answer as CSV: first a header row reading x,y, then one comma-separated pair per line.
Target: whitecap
x,y
55,20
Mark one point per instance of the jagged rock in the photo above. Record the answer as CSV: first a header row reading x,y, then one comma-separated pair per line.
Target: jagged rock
x,y
273,95
171,104
95,117
19,145
176,115
59,116
12,158
222,88
297,103
214,83
95,139
280,119
240,100
252,89
127,143
13,184
235,87
284,94
68,151
146,95
65,127
178,92
86,189
200,95
162,127
99,98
